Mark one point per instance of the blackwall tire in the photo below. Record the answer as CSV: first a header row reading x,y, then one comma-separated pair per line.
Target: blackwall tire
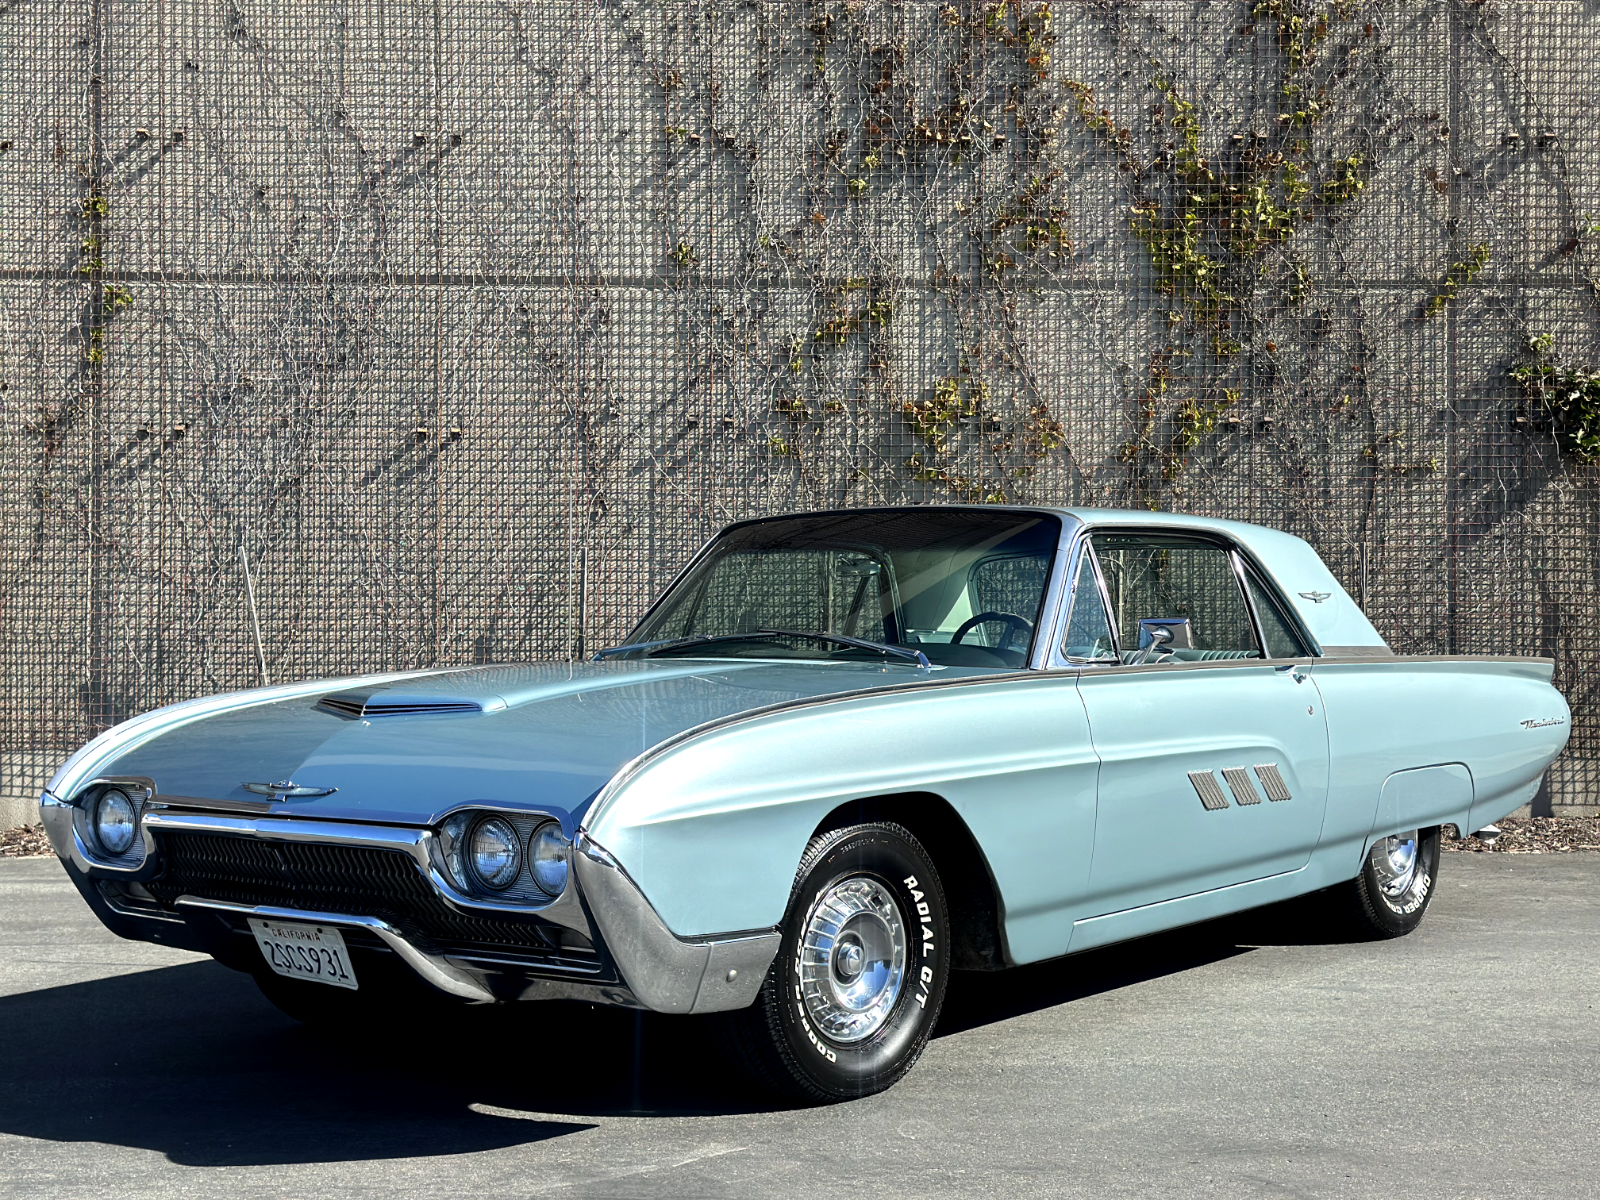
x,y
1397,881
851,999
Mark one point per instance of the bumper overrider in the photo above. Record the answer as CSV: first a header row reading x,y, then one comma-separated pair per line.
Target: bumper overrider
x,y
197,871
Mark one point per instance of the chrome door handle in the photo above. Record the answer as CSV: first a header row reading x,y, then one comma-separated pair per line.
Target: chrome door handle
x,y
1294,671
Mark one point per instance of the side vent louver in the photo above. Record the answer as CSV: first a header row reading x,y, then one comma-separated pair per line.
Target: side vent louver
x,y
1272,781
1244,792
1208,789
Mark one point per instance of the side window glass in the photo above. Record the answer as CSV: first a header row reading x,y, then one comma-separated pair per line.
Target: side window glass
x,y
1182,585
1088,628
1281,639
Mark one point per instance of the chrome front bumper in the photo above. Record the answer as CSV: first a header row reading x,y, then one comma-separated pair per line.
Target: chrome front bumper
x,y
658,970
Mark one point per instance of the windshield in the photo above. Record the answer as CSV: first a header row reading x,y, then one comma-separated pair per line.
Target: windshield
x,y
962,586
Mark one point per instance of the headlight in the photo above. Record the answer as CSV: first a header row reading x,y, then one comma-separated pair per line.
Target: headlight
x,y
115,821
547,849
495,853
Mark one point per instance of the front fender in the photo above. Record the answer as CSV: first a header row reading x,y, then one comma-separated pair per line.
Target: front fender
x,y
713,828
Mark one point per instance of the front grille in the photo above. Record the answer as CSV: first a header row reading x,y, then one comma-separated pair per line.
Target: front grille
x,y
359,880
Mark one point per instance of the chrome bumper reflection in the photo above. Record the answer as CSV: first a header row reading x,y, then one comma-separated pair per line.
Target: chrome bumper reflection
x,y
667,973
431,967
659,970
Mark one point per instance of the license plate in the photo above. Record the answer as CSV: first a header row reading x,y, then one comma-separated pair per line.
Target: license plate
x,y
313,952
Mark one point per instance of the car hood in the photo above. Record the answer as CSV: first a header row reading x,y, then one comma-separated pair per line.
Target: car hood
x,y
407,749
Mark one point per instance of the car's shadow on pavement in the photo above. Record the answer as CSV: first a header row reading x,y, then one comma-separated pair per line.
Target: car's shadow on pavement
x,y
984,997
192,1062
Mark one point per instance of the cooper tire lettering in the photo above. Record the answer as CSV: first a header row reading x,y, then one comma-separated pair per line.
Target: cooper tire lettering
x,y
1363,906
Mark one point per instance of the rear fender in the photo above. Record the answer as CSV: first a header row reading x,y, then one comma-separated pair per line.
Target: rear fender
x,y
1422,798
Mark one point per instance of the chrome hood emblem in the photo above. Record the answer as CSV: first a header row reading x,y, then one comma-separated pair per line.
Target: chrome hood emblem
x,y
1316,597
286,789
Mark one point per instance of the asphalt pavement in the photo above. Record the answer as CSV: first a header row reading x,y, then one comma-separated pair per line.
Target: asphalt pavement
x,y
1245,1057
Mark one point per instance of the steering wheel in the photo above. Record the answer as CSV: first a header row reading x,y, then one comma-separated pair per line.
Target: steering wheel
x,y
1013,623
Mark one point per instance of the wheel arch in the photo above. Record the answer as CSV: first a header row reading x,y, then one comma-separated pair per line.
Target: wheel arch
x,y
977,909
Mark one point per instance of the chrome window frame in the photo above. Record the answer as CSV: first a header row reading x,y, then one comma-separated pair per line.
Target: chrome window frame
x,y
1242,562
1053,605
1082,549
1244,568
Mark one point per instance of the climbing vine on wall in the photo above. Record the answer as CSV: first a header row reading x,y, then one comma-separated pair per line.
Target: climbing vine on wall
x,y
1220,212
1567,397
963,137
942,130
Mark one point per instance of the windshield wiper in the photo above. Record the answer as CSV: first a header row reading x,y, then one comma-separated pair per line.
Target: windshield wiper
x,y
916,656
645,649
666,644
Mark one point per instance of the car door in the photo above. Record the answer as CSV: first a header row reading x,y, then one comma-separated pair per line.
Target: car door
x,y
1213,753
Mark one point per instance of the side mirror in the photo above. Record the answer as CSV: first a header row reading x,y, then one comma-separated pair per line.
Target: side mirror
x,y
1159,636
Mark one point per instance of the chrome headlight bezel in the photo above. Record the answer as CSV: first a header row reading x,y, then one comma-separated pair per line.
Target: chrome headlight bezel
x,y
92,849
126,836
451,855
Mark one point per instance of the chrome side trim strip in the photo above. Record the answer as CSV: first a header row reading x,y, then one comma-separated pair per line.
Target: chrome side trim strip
x,y
1379,656
633,766
1081,670
432,968
665,972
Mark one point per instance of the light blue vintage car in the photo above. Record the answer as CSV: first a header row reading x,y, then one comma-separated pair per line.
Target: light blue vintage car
x,y
845,753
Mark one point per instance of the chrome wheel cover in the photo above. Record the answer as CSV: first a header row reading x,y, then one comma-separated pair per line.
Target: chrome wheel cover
x,y
1397,862
852,959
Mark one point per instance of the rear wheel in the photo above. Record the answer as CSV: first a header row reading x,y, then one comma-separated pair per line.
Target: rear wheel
x,y
1390,896
851,999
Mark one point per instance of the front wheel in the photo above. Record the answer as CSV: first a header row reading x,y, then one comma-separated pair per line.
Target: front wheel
x,y
1390,896
852,997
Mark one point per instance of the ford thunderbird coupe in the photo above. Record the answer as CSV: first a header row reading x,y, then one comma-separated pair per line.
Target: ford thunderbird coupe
x,y
844,754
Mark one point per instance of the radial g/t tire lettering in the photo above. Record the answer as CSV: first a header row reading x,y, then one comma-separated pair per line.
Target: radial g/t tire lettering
x,y
852,997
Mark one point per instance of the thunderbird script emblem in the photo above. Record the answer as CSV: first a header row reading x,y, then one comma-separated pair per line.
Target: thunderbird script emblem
x,y
1316,597
282,791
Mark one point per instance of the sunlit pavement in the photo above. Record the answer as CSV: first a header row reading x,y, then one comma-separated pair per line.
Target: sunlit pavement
x,y
1239,1058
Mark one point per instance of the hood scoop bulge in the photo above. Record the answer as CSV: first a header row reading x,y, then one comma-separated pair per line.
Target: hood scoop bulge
x,y
365,704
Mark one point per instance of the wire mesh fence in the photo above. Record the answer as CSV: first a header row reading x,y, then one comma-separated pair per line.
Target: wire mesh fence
x,y
379,328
